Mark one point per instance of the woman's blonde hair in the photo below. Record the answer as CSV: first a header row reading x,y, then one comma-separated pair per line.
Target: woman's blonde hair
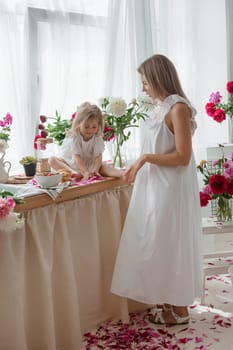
x,y
85,112
161,75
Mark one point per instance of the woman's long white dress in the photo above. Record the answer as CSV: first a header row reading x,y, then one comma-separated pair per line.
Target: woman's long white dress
x,y
159,256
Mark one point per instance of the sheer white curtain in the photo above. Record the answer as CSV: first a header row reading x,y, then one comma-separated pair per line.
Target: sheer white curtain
x,y
54,57
198,48
59,53
187,33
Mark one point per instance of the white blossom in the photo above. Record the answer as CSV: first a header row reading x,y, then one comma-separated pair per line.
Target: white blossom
x,y
146,101
11,222
117,106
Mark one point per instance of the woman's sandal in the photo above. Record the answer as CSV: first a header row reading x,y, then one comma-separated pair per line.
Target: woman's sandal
x,y
158,318
161,307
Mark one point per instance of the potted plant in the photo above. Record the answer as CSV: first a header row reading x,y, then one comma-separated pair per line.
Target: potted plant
x,y
29,164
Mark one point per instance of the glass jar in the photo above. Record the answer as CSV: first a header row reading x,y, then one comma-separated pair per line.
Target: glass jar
x,y
45,149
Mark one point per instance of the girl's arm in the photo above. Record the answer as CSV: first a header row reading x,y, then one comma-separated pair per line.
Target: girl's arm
x,y
178,120
97,164
82,166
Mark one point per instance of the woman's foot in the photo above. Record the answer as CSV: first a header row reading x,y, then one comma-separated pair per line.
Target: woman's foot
x,y
161,307
174,316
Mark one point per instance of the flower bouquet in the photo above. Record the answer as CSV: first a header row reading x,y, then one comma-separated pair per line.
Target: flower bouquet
x,y
9,220
218,181
120,117
5,128
53,127
217,109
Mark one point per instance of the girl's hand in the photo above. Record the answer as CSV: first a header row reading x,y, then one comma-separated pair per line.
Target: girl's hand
x,y
76,176
96,173
87,175
130,174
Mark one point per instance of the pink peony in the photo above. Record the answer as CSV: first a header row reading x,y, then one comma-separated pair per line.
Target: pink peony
x,y
5,208
43,118
230,87
228,173
210,108
230,187
204,199
8,119
215,97
207,190
219,115
73,115
11,202
218,184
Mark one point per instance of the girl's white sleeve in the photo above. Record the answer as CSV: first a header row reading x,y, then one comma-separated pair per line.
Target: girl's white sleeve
x,y
76,146
64,151
69,147
99,146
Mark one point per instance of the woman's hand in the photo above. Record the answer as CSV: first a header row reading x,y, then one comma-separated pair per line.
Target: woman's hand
x,y
130,174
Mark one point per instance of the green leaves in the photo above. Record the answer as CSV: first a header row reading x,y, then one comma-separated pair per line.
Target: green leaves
x,y
57,127
5,133
5,194
120,124
227,107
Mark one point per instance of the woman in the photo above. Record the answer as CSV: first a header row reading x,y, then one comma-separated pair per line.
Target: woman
x,y
159,260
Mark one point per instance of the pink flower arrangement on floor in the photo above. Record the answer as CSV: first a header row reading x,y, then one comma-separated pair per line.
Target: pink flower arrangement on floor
x,y
218,110
9,220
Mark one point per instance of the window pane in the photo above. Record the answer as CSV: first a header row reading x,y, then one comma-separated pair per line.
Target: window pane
x,y
71,66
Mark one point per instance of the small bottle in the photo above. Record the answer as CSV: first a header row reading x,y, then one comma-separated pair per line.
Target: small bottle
x,y
44,152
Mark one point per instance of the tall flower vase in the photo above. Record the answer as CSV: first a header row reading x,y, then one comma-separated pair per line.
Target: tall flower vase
x,y
116,153
119,156
224,209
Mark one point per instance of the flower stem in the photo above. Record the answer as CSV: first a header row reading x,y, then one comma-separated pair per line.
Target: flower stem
x,y
224,211
118,157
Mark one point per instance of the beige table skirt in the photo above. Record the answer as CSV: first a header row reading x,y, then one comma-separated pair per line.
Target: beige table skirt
x,y
56,273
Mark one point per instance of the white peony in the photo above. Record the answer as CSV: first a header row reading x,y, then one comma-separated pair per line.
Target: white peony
x,y
11,222
117,106
146,101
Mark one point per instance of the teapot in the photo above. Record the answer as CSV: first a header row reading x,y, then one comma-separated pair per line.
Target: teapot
x,y
5,167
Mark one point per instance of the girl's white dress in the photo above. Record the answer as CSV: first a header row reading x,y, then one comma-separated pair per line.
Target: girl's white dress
x,y
88,150
159,257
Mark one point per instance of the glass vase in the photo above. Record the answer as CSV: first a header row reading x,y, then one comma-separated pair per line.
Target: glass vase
x,y
119,159
224,209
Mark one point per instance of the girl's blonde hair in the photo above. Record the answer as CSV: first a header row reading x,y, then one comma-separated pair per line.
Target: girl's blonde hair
x,y
85,112
161,75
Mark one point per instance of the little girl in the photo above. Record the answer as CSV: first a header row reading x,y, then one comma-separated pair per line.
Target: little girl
x,y
82,148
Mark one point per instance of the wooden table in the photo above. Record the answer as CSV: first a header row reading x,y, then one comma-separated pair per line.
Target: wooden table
x,y
56,272
70,193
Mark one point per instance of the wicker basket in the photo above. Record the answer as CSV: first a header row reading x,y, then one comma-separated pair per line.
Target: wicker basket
x,y
42,166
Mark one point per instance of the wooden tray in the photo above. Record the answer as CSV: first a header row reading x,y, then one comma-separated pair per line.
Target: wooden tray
x,y
19,179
